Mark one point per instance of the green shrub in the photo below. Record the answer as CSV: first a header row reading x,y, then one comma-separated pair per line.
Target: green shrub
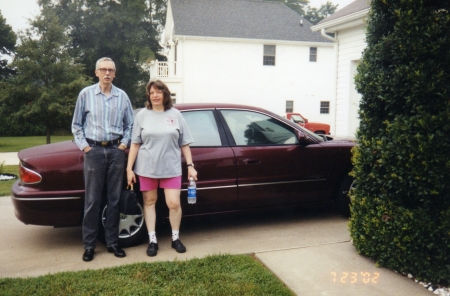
x,y
401,203
9,128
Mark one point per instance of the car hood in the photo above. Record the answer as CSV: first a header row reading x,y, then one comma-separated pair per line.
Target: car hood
x,y
48,149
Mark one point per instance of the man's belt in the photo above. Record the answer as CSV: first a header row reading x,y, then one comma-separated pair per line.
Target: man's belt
x,y
93,143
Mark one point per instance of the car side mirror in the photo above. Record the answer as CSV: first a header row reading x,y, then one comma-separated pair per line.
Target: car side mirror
x,y
302,139
325,137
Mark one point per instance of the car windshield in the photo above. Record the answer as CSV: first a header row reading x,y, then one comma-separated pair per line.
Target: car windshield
x,y
297,118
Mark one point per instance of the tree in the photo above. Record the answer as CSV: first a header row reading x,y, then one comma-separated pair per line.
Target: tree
x,y
296,5
311,14
401,203
127,31
7,44
314,15
45,87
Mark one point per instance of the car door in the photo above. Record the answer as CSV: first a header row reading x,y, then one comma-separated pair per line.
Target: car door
x,y
273,168
214,161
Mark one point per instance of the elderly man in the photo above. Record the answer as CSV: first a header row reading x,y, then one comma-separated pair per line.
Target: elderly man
x,y
102,124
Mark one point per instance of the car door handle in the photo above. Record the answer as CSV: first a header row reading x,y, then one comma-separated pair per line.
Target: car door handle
x,y
251,161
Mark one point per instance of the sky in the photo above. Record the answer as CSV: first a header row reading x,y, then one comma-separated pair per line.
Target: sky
x,y
17,12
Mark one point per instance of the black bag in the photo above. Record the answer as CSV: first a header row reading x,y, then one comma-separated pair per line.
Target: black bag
x,y
128,203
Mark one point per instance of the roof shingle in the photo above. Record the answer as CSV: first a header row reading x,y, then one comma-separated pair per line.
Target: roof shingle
x,y
353,7
241,19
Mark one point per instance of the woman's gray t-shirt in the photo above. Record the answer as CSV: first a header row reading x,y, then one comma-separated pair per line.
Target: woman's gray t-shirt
x,y
161,134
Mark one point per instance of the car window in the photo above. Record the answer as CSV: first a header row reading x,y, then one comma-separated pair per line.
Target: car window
x,y
255,129
203,128
297,118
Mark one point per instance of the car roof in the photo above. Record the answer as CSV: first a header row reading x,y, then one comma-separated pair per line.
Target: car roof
x,y
205,106
187,106
194,106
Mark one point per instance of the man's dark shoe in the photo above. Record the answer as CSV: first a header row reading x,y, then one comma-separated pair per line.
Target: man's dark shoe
x,y
88,255
152,249
178,246
118,252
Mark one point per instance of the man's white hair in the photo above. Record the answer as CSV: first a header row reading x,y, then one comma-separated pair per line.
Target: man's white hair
x,y
97,65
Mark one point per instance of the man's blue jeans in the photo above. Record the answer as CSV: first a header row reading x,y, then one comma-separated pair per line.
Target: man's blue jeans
x,y
104,168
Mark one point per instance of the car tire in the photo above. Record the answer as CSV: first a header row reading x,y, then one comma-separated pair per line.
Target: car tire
x,y
342,195
319,132
132,229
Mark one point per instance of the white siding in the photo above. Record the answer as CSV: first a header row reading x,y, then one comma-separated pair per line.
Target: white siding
x,y
351,45
230,71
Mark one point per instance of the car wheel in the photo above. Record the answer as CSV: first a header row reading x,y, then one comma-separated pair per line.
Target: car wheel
x,y
132,229
342,196
320,132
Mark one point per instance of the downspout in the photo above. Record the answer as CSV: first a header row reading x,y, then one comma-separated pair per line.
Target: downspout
x,y
325,35
182,68
336,51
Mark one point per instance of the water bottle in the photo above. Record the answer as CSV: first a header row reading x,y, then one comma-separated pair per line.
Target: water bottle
x,y
192,192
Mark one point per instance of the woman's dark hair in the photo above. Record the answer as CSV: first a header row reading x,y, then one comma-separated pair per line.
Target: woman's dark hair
x,y
158,84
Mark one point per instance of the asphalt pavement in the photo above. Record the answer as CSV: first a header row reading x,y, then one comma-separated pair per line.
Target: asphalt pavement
x,y
309,249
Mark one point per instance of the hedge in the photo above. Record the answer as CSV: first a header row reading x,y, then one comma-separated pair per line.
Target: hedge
x,y
400,213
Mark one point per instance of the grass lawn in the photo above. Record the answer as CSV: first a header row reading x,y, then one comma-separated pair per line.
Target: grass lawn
x,y
213,275
5,186
15,144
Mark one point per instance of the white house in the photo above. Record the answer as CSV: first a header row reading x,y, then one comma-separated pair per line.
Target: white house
x,y
348,26
258,53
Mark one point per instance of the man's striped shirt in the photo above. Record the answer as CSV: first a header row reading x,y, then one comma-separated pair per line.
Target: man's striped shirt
x,y
102,118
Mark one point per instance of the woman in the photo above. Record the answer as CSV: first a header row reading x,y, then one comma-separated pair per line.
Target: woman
x,y
159,134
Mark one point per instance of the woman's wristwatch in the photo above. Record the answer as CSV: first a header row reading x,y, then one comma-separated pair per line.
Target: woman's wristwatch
x,y
190,164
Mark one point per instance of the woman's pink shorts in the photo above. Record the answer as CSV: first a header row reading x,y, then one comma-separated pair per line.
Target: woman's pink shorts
x,y
147,184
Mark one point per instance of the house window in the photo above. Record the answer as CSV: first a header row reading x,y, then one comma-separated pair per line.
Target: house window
x,y
269,55
324,107
313,54
173,96
289,106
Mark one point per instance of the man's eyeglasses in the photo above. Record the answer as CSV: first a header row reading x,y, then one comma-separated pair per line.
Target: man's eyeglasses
x,y
104,70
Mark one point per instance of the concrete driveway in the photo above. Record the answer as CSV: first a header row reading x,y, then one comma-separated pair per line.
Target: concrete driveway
x,y
308,249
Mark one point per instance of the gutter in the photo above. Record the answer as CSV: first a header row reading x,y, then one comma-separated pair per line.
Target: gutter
x,y
341,21
325,35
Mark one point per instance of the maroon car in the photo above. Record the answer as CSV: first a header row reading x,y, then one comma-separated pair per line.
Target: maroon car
x,y
246,158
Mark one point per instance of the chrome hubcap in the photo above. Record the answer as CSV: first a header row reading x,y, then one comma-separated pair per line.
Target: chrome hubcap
x,y
129,225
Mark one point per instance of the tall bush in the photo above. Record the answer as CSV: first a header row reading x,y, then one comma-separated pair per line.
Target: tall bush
x,y
401,203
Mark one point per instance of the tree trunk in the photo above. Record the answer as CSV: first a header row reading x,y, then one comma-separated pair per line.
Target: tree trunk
x,y
47,134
